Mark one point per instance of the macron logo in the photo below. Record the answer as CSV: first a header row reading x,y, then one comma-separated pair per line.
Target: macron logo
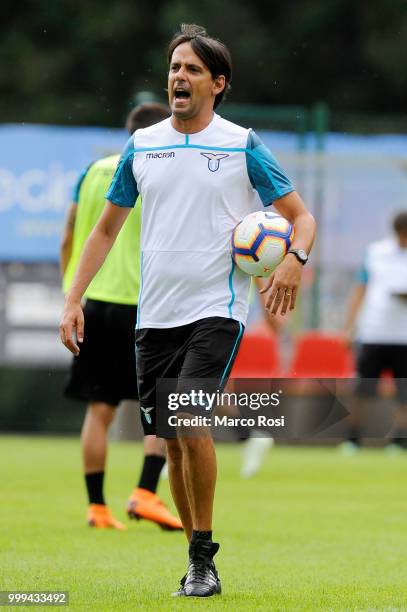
x,y
160,155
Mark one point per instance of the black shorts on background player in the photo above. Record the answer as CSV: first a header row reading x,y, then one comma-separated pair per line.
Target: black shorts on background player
x,y
373,359
105,369
204,349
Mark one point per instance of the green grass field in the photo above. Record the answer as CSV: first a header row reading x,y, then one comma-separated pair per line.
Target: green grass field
x,y
314,531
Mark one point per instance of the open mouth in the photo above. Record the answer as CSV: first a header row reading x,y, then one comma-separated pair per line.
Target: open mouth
x,y
181,94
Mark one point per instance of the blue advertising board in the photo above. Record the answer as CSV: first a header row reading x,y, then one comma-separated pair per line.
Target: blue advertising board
x,y
39,166
362,180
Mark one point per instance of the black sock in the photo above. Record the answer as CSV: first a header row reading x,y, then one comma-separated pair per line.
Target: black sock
x,y
242,433
354,436
400,439
94,486
201,535
150,474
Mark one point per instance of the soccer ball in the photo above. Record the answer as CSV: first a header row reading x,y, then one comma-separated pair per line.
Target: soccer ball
x,y
260,241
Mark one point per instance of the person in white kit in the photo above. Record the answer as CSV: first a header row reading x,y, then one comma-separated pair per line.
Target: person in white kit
x,y
377,320
198,175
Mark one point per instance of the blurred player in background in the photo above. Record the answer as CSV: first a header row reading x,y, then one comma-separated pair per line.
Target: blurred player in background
x,y
256,443
104,373
377,320
198,175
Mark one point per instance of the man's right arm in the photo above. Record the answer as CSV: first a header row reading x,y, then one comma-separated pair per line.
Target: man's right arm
x,y
355,303
67,238
65,250
96,248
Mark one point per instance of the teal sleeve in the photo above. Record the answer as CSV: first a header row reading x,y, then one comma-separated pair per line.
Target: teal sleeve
x,y
123,189
362,275
265,174
77,187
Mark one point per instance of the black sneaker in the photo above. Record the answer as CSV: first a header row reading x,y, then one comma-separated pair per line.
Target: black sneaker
x,y
202,579
180,591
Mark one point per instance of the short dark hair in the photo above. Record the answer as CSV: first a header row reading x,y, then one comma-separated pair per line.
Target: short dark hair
x,y
400,222
146,114
214,54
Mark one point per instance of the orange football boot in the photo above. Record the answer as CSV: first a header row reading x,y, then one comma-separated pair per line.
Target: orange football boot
x,y
143,504
100,516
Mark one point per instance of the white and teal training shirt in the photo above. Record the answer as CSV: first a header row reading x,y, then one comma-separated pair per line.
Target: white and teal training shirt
x,y
383,316
194,190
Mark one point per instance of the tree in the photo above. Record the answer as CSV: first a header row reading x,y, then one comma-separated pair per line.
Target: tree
x,y
71,63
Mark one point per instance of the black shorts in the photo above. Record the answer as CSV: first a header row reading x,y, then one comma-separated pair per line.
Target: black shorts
x,y
105,369
372,359
205,349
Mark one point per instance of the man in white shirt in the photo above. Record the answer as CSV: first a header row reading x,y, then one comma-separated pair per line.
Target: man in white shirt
x,y
378,312
198,176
